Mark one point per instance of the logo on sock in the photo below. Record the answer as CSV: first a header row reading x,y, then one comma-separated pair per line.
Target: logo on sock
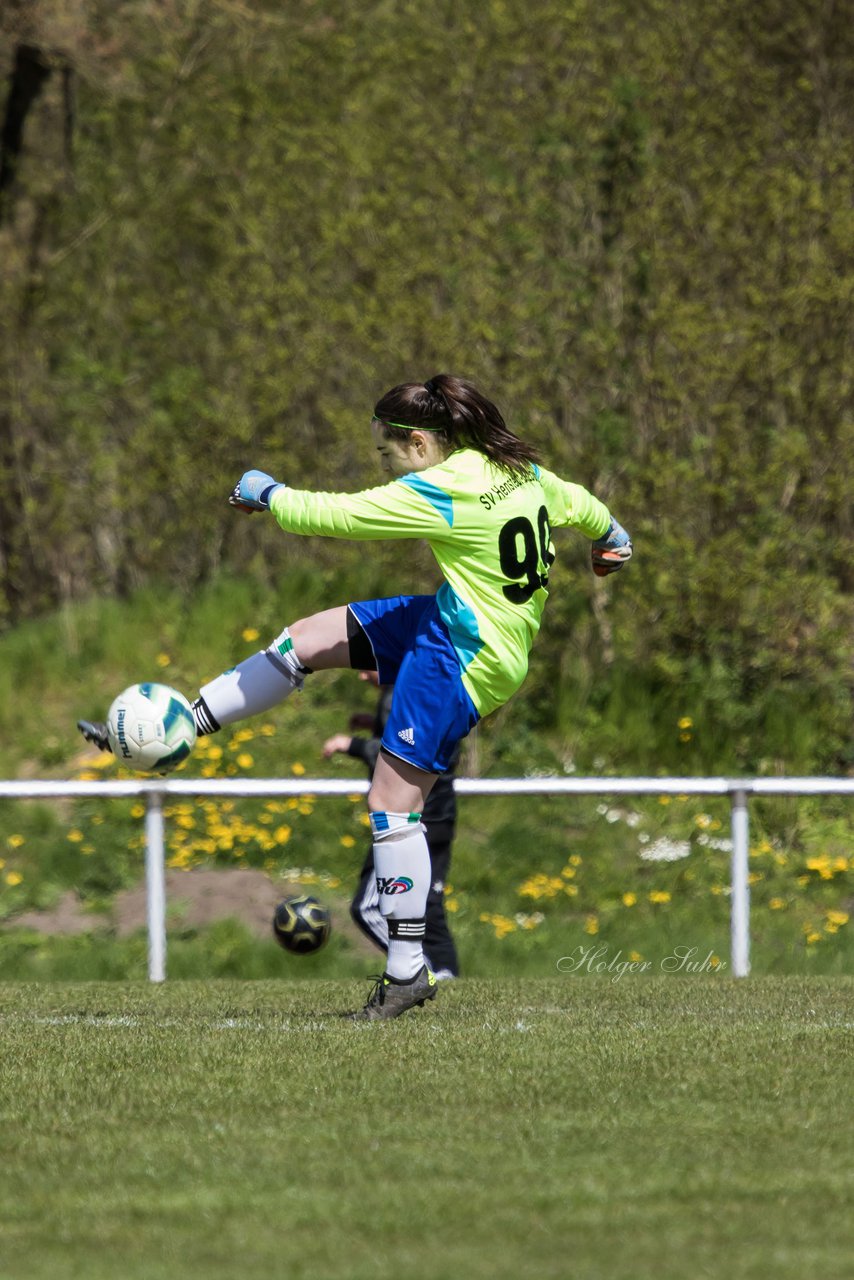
x,y
393,884
408,736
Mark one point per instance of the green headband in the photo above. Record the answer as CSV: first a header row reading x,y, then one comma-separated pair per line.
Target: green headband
x,y
405,426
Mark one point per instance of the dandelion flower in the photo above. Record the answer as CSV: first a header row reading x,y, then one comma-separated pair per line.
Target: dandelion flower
x,y
13,878
250,634
163,660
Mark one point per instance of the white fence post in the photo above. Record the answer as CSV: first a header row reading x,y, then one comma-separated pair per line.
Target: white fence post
x,y
740,903
155,879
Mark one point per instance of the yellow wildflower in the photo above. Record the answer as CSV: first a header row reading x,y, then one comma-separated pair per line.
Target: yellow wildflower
x,y
501,924
13,878
250,634
659,895
163,659
629,899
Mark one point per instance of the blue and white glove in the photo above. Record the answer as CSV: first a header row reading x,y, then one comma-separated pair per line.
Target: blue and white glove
x,y
253,491
611,551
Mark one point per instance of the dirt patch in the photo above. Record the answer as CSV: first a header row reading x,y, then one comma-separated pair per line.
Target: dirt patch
x,y
194,899
68,916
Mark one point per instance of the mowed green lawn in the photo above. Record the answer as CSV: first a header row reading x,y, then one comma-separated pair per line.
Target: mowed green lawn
x,y
571,1127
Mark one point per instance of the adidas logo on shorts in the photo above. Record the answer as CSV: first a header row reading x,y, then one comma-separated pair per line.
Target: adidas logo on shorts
x,y
408,736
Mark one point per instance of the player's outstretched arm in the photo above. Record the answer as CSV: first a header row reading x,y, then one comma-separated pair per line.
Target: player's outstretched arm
x,y
610,552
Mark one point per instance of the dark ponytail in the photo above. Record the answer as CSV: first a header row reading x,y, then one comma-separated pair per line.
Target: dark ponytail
x,y
458,415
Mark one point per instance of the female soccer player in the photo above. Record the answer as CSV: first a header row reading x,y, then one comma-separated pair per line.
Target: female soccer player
x,y
475,491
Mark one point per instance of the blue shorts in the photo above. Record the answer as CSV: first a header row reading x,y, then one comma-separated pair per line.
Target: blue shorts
x,y
430,709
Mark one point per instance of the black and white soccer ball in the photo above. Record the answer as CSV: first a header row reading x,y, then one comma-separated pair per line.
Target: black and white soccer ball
x,y
301,924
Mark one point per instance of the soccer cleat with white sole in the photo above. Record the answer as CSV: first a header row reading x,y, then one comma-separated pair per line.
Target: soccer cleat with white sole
x,y
95,732
391,997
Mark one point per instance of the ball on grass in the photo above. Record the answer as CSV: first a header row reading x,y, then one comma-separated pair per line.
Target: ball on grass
x,y
301,924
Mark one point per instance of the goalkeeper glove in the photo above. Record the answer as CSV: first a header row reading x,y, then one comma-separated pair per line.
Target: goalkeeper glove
x,y
253,491
611,551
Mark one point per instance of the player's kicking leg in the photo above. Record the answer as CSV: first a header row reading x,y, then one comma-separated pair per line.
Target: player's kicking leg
x,y
263,680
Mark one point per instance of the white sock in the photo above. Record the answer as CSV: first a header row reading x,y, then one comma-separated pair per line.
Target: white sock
x,y
259,683
402,866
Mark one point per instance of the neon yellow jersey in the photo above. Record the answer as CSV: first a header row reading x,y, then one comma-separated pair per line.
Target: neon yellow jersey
x,y
490,532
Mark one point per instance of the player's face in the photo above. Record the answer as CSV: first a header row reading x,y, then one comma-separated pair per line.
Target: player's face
x,y
399,457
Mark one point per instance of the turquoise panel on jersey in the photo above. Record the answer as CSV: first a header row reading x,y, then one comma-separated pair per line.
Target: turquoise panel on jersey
x,y
461,621
438,498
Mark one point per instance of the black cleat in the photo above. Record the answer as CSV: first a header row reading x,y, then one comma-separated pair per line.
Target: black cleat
x,y
391,997
95,732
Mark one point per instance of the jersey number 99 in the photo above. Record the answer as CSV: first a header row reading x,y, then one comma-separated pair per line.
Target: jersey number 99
x,y
521,556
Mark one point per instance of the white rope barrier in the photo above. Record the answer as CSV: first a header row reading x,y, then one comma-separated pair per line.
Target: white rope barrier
x,y
156,792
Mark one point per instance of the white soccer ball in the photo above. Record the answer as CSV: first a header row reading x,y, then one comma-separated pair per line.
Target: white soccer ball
x,y
151,728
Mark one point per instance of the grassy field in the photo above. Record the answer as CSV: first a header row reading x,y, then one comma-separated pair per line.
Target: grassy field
x,y
669,1127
